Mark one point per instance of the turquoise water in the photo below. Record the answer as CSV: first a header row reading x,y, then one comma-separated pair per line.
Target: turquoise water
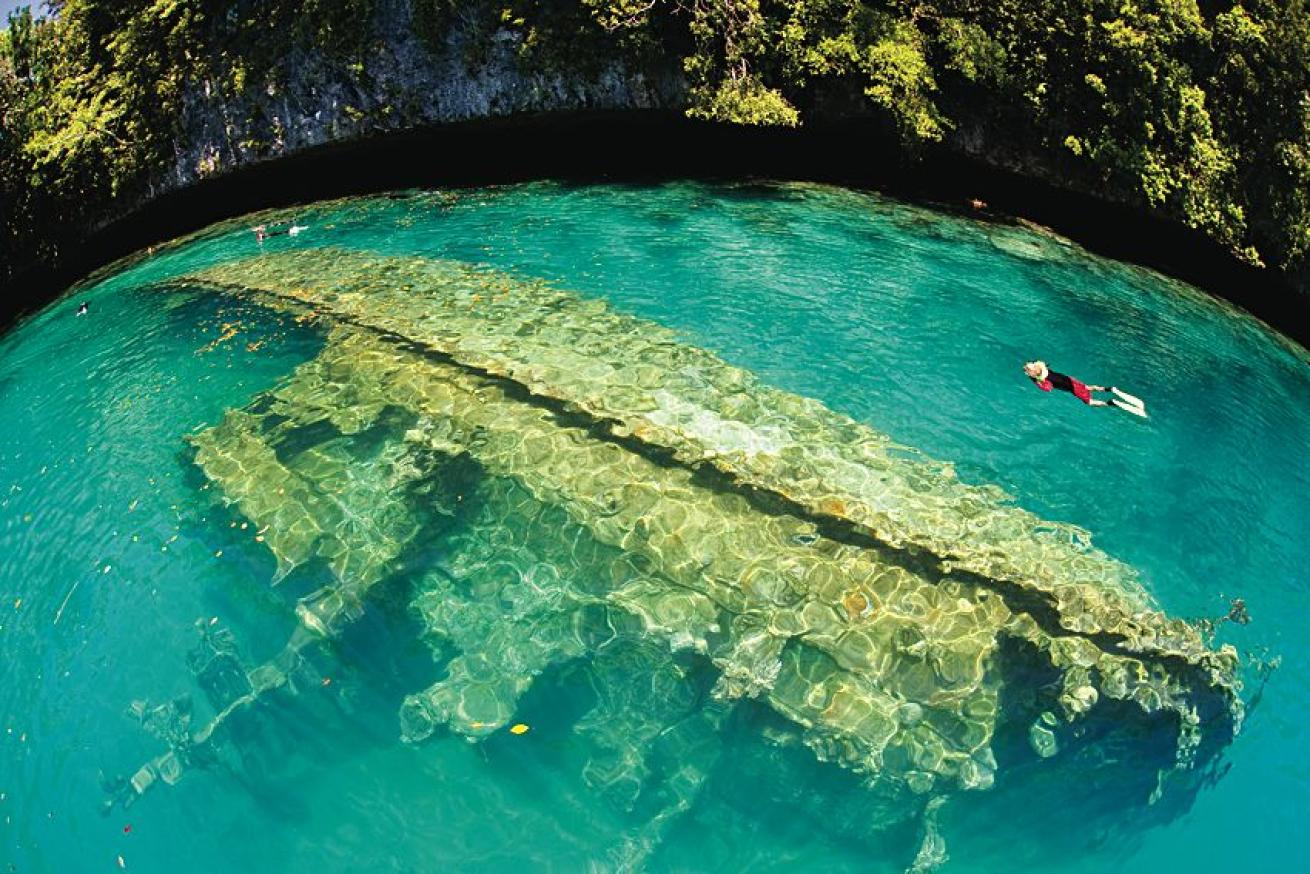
x,y
908,320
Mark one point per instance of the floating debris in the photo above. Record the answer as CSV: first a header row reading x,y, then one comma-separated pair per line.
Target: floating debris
x,y
59,614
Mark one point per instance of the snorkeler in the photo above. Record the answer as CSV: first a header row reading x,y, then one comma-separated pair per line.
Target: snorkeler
x,y
81,310
1047,379
263,232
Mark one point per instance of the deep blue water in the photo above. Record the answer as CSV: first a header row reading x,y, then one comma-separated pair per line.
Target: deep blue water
x,y
911,321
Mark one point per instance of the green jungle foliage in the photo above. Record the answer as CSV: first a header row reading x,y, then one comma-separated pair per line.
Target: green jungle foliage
x,y
1199,109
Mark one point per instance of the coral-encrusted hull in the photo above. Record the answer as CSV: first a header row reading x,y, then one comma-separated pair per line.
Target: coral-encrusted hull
x,y
605,491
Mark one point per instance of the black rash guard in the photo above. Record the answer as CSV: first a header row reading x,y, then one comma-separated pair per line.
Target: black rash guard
x,y
1060,381
1064,382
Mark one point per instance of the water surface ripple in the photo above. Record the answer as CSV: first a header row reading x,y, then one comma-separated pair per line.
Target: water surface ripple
x,y
112,547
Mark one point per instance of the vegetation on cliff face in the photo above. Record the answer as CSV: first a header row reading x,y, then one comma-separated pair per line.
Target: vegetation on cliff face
x,y
1197,108
91,97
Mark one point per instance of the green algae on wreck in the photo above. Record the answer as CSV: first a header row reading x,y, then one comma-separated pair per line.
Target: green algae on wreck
x,y
655,505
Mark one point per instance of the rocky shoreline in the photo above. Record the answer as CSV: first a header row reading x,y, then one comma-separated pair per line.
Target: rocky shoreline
x,y
585,144
461,106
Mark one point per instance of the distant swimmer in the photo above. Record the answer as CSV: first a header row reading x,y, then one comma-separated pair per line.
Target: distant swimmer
x,y
1047,379
81,310
263,232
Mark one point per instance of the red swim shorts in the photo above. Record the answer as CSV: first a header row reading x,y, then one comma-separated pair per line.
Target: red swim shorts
x,y
1080,391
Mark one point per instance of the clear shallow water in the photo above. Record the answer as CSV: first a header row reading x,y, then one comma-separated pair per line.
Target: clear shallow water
x,y
909,321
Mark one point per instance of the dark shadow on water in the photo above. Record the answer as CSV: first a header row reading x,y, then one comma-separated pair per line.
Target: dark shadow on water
x,y
1110,781
769,787
636,147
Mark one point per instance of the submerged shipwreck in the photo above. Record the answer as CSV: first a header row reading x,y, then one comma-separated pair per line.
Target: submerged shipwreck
x,y
599,493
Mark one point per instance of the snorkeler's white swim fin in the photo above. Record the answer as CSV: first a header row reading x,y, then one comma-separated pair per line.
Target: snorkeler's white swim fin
x,y
1125,401
1125,396
1136,411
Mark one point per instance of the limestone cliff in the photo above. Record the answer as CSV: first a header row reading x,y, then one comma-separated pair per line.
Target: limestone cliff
x,y
400,82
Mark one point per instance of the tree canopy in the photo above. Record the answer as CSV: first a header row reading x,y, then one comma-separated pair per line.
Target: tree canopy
x,y
1199,109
